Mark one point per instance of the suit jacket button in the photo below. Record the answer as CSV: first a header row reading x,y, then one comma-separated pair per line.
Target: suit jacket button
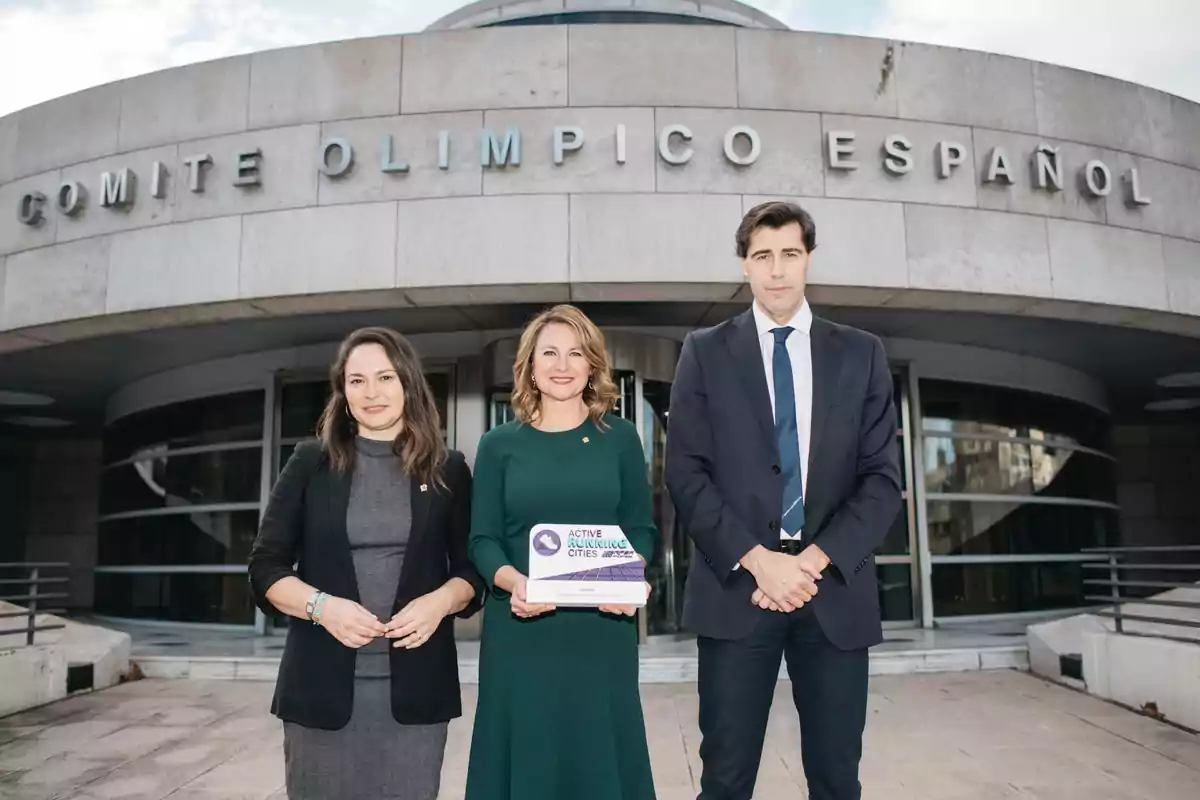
x,y
773,526
775,468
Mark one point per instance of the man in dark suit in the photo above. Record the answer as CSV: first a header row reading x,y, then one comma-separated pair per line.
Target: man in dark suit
x,y
781,462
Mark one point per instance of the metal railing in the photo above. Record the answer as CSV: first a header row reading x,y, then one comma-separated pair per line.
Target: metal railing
x,y
28,580
1140,569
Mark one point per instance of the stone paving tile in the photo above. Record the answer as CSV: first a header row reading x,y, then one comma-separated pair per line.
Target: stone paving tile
x,y
979,736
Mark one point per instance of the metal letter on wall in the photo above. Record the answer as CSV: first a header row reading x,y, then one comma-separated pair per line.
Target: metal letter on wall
x,y
114,189
839,145
949,156
562,143
751,136
345,157
898,155
195,173
444,150
1097,178
664,145
1134,196
156,180
69,199
31,209
620,144
1047,168
998,169
249,167
501,155
385,159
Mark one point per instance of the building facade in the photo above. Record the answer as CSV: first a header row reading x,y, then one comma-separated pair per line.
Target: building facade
x,y
181,252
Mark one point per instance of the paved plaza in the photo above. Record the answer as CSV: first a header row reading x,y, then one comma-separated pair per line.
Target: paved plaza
x,y
974,736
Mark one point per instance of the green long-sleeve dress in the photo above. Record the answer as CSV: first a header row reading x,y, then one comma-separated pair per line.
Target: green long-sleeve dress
x,y
559,712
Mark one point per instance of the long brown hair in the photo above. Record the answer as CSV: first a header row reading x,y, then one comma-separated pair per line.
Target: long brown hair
x,y
600,395
419,444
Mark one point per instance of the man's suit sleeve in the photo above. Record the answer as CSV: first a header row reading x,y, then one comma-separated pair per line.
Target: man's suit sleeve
x,y
863,520
720,536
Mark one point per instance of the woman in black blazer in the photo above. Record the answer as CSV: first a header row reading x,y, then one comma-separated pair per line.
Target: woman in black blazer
x,y
374,516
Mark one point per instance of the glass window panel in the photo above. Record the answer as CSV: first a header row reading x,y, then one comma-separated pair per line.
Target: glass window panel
x,y
977,466
895,591
980,466
501,411
225,476
223,537
1058,472
300,407
208,420
949,406
439,385
626,407
605,18
177,598
998,528
1005,588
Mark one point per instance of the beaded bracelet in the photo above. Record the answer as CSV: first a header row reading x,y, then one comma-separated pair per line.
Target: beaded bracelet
x,y
319,607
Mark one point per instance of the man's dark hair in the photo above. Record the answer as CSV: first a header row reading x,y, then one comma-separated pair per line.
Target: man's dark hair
x,y
775,214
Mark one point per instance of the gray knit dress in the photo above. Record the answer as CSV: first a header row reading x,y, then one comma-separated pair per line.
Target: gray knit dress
x,y
373,756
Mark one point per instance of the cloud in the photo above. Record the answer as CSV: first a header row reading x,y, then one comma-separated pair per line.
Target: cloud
x,y
57,49
49,49
1151,42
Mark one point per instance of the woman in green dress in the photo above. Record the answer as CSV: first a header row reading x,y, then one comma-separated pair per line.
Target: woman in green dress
x,y
559,713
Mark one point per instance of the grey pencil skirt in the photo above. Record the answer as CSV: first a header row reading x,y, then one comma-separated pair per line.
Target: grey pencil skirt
x,y
372,757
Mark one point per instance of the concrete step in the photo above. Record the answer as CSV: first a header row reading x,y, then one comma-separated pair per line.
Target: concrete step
x,y
654,668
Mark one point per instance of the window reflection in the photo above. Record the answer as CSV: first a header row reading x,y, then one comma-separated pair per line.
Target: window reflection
x,y
207,420
199,537
164,481
988,528
1006,588
177,598
1004,446
667,570
895,592
963,408
976,466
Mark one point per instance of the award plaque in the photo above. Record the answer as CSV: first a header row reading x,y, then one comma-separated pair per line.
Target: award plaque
x,y
584,565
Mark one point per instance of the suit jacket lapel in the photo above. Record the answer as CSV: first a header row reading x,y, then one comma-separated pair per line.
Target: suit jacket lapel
x,y
339,502
827,361
747,357
420,494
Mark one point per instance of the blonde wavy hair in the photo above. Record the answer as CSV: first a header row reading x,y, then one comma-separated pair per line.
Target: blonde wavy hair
x,y
600,395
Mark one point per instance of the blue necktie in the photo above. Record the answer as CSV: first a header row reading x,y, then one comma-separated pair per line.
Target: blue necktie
x,y
785,431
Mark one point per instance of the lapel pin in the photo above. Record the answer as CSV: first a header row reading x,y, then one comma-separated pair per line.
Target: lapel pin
x,y
585,440
424,487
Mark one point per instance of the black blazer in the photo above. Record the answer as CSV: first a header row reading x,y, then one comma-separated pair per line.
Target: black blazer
x,y
306,521
722,470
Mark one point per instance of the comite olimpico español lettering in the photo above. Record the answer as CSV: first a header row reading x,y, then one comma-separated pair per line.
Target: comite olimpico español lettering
x,y
742,147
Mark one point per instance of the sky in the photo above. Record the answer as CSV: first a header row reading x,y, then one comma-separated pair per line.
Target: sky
x,y
49,48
